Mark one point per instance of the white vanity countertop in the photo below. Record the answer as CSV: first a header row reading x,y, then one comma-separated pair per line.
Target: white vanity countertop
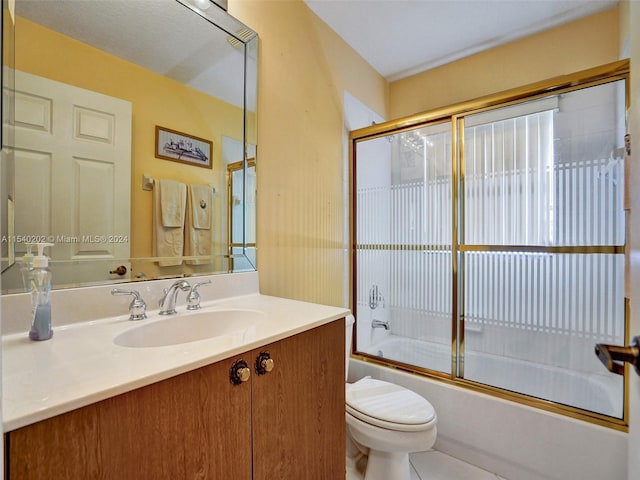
x,y
81,364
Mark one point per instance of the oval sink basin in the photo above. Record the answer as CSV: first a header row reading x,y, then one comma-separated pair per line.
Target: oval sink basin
x,y
190,327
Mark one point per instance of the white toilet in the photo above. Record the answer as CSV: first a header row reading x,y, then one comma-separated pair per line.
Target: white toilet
x,y
387,422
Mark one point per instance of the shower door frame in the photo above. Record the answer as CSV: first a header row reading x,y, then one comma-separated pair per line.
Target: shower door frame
x,y
455,114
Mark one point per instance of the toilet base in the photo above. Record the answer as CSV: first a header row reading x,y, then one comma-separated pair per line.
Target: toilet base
x,y
387,465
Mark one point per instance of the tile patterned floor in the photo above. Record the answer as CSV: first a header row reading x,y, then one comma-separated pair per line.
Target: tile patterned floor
x,y
434,465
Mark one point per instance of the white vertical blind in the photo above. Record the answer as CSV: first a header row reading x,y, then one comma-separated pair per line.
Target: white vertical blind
x,y
508,179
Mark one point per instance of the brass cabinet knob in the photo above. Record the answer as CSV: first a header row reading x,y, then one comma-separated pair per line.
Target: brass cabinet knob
x,y
244,374
267,364
239,372
264,363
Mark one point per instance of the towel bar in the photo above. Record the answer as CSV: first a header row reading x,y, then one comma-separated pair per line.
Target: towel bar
x,y
147,183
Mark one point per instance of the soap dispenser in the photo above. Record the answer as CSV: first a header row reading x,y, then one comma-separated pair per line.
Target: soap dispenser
x,y
26,266
40,288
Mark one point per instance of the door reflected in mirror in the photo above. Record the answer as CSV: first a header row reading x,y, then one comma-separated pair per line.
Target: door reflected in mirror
x,y
241,212
92,82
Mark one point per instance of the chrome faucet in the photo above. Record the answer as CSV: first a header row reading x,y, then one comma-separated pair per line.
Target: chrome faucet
x,y
168,301
379,324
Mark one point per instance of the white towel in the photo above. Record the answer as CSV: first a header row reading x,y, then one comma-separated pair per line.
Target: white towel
x,y
198,238
169,205
200,206
172,196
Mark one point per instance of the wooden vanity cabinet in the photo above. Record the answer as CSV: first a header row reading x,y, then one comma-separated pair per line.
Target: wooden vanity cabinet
x,y
195,425
284,424
299,427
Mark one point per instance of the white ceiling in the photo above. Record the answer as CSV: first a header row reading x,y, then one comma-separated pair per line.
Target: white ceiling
x,y
400,38
160,35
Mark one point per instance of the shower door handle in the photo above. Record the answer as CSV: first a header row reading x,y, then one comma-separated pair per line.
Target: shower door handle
x,y
614,356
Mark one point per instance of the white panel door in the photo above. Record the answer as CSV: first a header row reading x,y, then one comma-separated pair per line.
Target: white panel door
x,y
73,175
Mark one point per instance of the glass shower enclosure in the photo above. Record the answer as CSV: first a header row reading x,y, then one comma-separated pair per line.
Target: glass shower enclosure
x,y
488,244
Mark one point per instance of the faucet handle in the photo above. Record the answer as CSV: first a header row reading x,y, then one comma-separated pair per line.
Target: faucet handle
x,y
137,307
193,298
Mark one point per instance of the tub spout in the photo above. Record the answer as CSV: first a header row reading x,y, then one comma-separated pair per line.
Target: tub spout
x,y
379,324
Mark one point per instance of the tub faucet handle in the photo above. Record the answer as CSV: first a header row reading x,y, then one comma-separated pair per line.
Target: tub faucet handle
x,y
375,297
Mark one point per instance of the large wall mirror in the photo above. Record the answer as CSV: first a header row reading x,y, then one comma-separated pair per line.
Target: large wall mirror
x,y
121,121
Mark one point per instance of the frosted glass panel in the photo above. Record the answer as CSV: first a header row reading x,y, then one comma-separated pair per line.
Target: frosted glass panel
x,y
548,172
403,254
532,320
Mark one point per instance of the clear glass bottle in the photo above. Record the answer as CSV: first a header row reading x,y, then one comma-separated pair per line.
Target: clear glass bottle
x,y
40,288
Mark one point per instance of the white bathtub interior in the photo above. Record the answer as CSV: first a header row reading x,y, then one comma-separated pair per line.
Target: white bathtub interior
x,y
596,392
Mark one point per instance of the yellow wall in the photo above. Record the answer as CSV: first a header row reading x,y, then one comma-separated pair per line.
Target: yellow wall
x,y
624,27
569,48
304,69
182,108
303,72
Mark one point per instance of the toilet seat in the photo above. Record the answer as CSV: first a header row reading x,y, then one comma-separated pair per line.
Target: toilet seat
x,y
388,406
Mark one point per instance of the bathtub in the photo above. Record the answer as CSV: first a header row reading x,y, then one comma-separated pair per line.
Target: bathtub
x,y
513,440
600,393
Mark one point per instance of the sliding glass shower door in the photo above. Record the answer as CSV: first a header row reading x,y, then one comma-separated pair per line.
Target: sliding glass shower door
x,y
489,245
542,246
403,262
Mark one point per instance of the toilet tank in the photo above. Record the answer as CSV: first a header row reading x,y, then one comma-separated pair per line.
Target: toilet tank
x,y
349,321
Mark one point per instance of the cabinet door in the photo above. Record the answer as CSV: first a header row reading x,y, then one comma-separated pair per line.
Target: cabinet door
x,y
298,408
196,425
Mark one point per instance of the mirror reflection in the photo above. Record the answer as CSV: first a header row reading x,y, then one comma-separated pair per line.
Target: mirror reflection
x,y
126,117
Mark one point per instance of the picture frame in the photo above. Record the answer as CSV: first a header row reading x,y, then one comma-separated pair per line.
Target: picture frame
x,y
183,148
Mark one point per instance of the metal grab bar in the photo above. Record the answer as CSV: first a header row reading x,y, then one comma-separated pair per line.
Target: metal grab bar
x,y
614,356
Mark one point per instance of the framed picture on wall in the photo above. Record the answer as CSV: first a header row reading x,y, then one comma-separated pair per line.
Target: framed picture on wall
x,y
183,148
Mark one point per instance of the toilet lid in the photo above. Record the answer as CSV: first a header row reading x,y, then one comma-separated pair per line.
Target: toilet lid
x,y
388,403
